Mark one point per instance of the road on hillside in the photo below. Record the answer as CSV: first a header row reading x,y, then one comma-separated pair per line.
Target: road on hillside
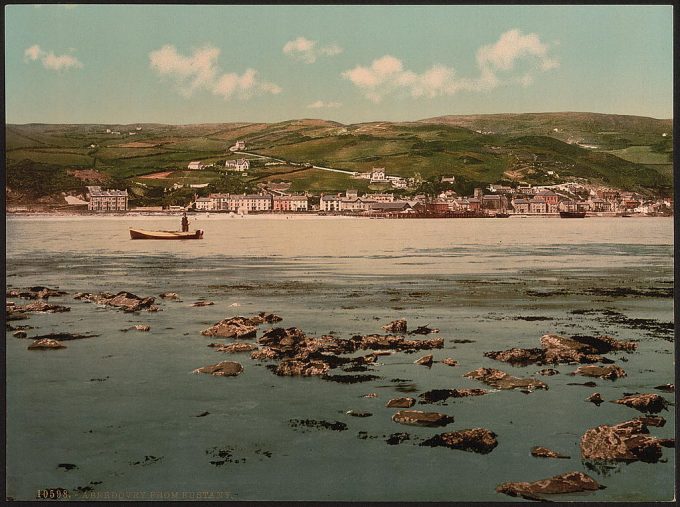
x,y
351,173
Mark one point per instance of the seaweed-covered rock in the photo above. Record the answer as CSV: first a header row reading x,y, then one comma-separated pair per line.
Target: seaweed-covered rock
x,y
627,441
396,326
570,482
502,380
609,372
544,452
222,369
234,348
437,395
479,440
236,327
401,403
389,342
648,403
64,336
425,360
397,438
124,300
419,418
46,344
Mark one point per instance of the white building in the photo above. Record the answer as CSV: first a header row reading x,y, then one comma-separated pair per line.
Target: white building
x,y
239,146
197,165
107,200
203,204
239,165
378,175
330,203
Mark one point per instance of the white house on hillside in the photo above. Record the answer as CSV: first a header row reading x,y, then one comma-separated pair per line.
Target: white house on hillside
x,y
237,165
197,165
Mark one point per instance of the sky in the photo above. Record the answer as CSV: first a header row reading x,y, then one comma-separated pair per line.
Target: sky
x,y
181,64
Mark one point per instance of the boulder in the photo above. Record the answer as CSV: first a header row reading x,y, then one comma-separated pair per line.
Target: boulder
x,y
479,440
595,398
236,327
401,403
648,403
396,326
627,441
502,380
570,482
609,372
449,361
45,344
419,418
222,369
234,348
425,360
544,452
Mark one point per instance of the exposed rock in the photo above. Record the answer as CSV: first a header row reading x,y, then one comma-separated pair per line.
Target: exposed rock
x,y
45,344
202,303
547,372
425,360
389,342
292,367
609,372
419,418
478,440
141,327
372,395
169,295
37,292
38,306
626,441
126,301
401,403
570,482
67,466
64,336
585,384
519,357
234,348
236,327
424,330
202,414
449,361
20,334
648,403
653,420
502,380
397,438
396,326
355,413
544,452
595,398
222,369
437,395
350,379
666,388
264,354
320,425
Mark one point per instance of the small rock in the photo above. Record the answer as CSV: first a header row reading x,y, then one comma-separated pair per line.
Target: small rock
x,y
46,344
236,327
424,330
202,414
479,440
202,303
609,372
141,327
595,398
67,466
396,326
419,418
354,413
502,380
372,395
169,295
397,438
234,348
449,361
425,360
548,372
222,369
544,452
666,388
20,334
570,482
401,403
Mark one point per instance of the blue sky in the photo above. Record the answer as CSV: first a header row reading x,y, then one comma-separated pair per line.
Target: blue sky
x,y
352,63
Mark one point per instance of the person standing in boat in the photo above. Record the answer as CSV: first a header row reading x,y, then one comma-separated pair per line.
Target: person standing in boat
x,y
185,223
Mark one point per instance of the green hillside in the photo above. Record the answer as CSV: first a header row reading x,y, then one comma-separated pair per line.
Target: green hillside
x,y
627,152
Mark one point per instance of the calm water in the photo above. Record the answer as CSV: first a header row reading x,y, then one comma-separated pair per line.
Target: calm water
x,y
476,279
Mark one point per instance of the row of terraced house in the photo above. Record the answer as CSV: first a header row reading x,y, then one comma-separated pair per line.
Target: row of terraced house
x,y
246,203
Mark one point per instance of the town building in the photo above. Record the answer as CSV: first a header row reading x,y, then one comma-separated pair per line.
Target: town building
x,y
290,203
241,203
521,205
378,175
239,146
203,204
106,200
537,206
380,197
494,202
239,165
351,193
329,203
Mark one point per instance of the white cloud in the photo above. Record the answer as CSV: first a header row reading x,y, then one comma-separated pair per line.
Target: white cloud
x,y
320,104
307,51
387,75
201,72
50,60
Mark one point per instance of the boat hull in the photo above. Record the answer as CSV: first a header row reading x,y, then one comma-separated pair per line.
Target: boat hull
x,y
141,234
572,214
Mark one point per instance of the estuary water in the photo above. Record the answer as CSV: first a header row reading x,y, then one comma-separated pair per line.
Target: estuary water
x,y
122,406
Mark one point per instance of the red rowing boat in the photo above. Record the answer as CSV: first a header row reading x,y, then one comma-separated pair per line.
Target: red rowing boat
x,y
140,234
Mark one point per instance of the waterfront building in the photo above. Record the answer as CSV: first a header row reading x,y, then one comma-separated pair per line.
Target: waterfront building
x,y
537,206
203,204
521,205
290,203
329,203
380,197
107,200
241,203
